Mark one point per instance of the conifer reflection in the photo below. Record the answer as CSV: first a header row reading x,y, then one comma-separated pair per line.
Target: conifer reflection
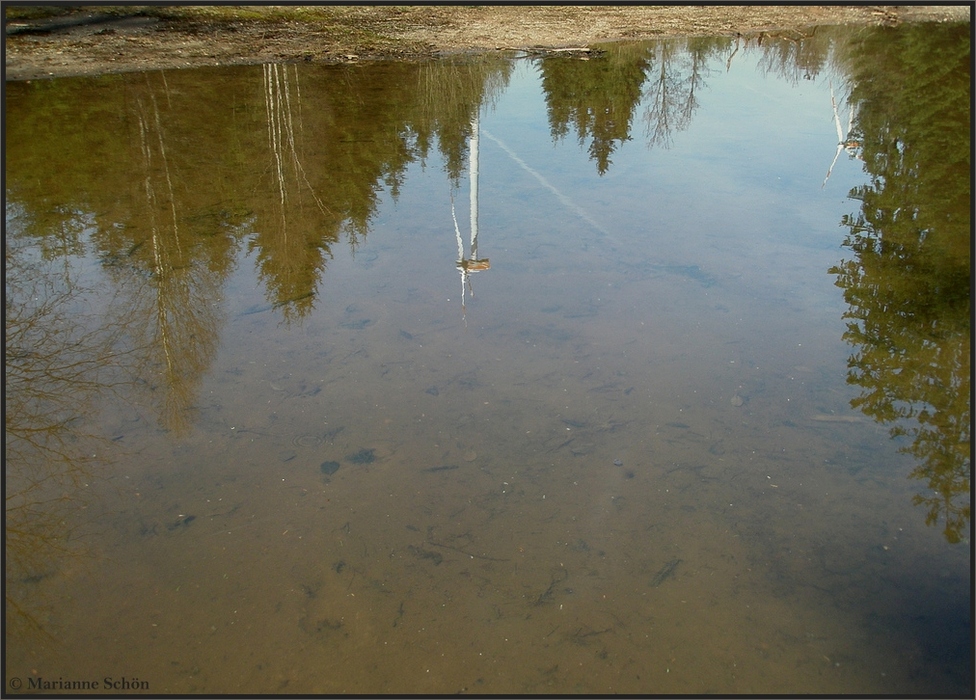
x,y
908,283
597,97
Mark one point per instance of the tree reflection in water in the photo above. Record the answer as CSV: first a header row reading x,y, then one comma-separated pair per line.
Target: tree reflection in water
x,y
909,282
165,185
62,361
126,221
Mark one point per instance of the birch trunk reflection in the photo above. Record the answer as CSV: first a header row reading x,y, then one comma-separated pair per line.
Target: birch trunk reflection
x,y
180,333
284,259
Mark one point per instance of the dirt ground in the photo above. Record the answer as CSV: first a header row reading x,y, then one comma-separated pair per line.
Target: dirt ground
x,y
86,42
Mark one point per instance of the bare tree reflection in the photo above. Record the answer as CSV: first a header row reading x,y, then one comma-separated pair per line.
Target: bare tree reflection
x,y
62,359
677,76
794,56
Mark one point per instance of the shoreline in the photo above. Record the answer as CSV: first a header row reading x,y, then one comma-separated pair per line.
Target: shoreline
x,y
97,40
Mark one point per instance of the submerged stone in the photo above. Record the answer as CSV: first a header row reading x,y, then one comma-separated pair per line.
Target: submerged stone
x,y
364,456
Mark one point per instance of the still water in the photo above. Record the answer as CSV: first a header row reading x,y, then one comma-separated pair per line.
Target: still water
x,y
642,372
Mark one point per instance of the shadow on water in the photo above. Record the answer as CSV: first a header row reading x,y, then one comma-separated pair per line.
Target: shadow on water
x,y
249,409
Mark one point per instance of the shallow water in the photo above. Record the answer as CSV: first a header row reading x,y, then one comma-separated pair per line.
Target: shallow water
x,y
276,424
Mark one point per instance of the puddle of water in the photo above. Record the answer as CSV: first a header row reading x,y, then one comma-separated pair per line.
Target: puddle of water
x,y
548,382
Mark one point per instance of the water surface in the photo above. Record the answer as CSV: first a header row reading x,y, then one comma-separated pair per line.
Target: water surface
x,y
645,373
